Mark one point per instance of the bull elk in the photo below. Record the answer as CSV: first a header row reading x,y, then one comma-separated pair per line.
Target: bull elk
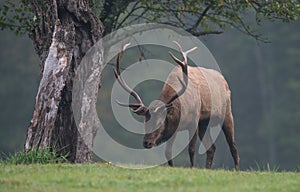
x,y
162,120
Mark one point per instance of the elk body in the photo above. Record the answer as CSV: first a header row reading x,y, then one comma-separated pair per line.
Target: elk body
x,y
202,102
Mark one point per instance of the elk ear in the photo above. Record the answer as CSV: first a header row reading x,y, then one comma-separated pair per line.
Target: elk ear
x,y
161,108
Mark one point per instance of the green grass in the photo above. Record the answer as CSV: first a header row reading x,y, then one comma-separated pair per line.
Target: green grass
x,y
104,177
40,156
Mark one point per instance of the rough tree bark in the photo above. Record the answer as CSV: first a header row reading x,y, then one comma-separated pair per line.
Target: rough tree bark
x,y
64,31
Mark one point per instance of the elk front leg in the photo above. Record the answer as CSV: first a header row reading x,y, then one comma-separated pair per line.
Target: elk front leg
x,y
168,151
207,142
192,145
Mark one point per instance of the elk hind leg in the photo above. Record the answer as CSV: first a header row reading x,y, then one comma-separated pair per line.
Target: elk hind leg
x,y
228,129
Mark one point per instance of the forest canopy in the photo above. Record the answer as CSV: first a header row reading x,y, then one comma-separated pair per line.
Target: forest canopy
x,y
199,17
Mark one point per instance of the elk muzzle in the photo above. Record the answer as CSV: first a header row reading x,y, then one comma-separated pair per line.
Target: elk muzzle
x,y
149,141
148,144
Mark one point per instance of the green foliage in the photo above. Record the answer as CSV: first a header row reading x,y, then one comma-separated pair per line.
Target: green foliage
x,y
15,17
205,17
199,17
267,168
36,156
104,177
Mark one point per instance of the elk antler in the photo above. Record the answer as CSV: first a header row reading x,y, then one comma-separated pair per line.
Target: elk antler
x,y
183,65
138,108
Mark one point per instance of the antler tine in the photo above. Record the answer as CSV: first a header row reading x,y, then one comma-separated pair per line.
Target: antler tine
x,y
121,81
184,54
183,65
127,88
190,50
179,46
128,105
120,54
176,59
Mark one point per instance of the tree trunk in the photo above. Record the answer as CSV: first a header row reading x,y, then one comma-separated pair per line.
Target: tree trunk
x,y
64,31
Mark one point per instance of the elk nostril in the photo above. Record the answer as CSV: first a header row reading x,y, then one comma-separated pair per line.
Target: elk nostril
x,y
147,144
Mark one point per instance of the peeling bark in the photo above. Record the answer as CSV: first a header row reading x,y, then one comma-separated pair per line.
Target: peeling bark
x,y
63,33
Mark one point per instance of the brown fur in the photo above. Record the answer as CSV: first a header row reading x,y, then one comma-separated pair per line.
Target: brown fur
x,y
196,104
205,104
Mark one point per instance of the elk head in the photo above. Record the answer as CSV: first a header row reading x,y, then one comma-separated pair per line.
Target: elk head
x,y
155,117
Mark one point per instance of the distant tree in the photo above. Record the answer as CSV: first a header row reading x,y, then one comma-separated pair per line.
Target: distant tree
x,y
62,32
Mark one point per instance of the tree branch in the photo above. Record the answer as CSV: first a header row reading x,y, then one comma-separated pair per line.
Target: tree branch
x,y
134,8
199,19
203,33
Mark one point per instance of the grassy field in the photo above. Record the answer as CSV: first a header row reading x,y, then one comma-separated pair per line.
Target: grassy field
x,y
104,177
